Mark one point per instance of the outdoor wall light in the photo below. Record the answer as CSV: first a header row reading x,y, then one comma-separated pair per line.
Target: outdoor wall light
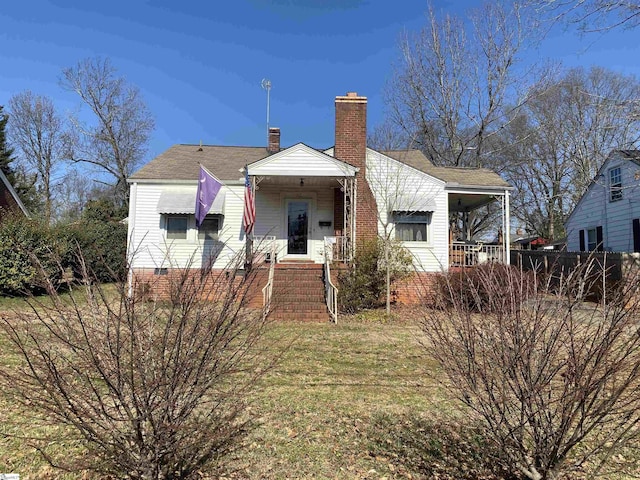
x,y
302,182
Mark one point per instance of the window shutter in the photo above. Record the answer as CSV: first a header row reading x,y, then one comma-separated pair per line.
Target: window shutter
x,y
599,239
636,234
581,235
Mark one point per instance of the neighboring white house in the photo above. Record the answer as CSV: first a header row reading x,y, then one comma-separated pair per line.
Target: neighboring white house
x,y
307,198
607,217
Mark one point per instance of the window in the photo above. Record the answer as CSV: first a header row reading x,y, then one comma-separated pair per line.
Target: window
x,y
176,227
209,229
592,239
595,239
615,184
412,226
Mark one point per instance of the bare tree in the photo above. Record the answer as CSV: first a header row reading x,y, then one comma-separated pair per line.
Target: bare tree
x,y
74,192
38,131
455,80
592,15
450,88
117,140
145,389
554,378
558,140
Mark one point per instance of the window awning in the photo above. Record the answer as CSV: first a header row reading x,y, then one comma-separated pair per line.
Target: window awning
x,y
185,202
413,203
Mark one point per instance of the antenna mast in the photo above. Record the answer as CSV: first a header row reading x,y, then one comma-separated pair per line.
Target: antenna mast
x,y
266,85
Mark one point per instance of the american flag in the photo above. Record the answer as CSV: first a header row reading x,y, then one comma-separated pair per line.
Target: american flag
x,y
249,216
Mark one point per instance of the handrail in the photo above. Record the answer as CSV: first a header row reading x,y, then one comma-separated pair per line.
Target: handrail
x,y
331,291
267,290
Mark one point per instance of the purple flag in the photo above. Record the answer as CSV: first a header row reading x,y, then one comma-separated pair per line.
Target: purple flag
x,y
208,188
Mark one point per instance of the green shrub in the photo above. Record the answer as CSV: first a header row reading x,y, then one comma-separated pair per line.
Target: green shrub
x,y
103,246
363,285
27,250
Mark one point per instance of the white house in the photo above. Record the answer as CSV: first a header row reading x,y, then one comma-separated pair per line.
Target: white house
x,y
607,216
306,199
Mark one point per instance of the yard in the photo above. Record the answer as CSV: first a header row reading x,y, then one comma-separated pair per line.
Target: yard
x,y
353,400
361,399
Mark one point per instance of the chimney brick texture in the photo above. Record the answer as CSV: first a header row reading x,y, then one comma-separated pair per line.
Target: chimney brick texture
x,y
351,147
274,140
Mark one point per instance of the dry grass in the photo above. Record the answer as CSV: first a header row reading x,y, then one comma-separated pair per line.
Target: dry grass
x,y
317,408
356,400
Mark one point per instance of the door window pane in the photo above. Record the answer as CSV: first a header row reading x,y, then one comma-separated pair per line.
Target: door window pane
x,y
297,221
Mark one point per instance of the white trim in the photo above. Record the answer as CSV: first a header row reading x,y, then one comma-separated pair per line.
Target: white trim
x,y
341,169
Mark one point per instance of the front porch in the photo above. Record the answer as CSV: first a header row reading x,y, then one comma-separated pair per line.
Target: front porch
x,y
464,249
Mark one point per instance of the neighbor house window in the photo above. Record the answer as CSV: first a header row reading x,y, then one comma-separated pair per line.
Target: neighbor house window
x,y
209,229
412,226
176,227
595,239
592,239
615,184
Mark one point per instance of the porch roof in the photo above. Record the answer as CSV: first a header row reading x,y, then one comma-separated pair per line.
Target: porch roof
x,y
301,160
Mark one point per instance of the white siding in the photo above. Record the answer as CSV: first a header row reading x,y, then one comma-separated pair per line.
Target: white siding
x,y
271,204
301,161
595,209
393,182
148,246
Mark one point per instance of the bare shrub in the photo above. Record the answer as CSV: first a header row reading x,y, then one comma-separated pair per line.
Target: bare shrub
x,y
555,379
146,390
483,287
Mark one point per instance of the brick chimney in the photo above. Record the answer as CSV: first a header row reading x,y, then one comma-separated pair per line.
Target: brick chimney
x,y
274,140
351,147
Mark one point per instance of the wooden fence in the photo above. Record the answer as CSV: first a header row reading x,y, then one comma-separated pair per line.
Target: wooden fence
x,y
552,264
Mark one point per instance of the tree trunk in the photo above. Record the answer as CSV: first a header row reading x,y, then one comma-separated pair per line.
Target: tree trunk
x,y
388,279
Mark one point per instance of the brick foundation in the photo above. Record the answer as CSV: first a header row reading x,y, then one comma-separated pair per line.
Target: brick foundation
x,y
417,289
150,285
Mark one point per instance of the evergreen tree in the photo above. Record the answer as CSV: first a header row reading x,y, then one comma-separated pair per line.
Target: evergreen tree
x,y
6,153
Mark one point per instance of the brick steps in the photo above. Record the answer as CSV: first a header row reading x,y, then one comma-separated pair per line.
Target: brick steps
x,y
298,293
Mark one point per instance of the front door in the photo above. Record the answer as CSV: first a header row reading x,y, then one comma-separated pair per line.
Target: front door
x,y
297,227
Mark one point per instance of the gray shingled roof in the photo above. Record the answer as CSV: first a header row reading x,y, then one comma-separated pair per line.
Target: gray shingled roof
x,y
182,162
472,177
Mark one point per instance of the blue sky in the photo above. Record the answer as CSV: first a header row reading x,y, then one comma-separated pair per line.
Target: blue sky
x,y
199,64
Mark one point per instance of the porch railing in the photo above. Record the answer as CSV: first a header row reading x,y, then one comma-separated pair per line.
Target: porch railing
x,y
331,291
337,248
469,255
267,290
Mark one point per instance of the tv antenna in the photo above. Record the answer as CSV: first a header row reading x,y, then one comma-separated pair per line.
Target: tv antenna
x,y
266,85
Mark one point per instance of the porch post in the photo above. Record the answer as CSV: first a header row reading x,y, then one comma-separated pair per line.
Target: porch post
x,y
354,220
507,234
